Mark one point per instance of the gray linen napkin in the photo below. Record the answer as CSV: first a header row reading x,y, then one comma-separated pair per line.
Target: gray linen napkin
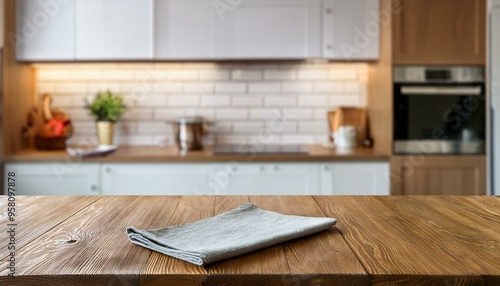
x,y
244,229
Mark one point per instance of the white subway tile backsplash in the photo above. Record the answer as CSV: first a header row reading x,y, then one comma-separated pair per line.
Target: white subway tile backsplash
x,y
215,100
280,74
84,127
119,75
343,74
280,101
264,113
260,103
205,112
86,75
312,100
297,87
313,127
62,101
250,101
79,114
264,87
299,113
328,87
124,128
46,88
136,113
228,87
71,87
322,113
298,139
199,88
345,100
246,75
231,113
53,75
103,86
281,126
151,100
352,87
182,74
313,74
184,100
220,127
135,140
167,113
168,87
153,128
214,75
248,127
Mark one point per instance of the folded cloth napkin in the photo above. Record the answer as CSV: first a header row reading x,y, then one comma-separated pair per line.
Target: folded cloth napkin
x,y
244,229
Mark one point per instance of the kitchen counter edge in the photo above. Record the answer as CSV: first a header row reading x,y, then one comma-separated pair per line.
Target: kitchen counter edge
x,y
131,154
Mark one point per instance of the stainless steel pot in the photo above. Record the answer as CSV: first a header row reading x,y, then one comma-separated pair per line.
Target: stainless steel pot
x,y
190,132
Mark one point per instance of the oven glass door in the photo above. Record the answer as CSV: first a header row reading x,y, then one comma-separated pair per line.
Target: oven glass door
x,y
448,118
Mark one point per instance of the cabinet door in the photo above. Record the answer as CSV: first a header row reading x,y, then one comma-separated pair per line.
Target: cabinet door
x,y
45,30
250,29
351,29
114,29
440,32
155,179
367,178
273,179
184,29
271,29
438,175
65,179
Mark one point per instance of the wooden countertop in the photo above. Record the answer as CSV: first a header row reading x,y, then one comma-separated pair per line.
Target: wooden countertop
x,y
317,153
377,241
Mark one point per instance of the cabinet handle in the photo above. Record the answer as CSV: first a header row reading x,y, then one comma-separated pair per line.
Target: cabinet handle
x,y
93,188
326,168
276,168
108,170
262,168
234,168
329,47
328,11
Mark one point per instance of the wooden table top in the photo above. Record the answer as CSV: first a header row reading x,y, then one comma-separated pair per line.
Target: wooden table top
x,y
316,153
393,240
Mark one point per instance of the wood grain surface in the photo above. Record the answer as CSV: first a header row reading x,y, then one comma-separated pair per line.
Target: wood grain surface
x,y
422,240
410,240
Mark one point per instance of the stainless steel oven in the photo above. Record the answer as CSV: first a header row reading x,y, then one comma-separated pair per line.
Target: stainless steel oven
x,y
439,110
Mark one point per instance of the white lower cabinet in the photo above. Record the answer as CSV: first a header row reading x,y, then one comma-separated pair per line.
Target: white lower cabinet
x,y
232,178
155,178
64,179
272,179
365,178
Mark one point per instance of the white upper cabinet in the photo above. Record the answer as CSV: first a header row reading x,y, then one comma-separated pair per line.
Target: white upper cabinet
x,y
114,29
110,30
351,29
45,30
237,29
184,29
270,29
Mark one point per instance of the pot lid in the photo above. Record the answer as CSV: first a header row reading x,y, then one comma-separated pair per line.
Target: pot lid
x,y
189,120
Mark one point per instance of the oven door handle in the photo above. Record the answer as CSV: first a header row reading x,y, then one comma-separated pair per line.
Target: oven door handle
x,y
441,90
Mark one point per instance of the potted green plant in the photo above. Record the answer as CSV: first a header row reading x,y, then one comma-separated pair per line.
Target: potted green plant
x,y
107,108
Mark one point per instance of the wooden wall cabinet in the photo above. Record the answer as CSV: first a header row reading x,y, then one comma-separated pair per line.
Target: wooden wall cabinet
x,y
444,32
438,175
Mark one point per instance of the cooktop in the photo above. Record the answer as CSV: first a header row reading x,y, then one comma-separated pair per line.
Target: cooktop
x,y
246,149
